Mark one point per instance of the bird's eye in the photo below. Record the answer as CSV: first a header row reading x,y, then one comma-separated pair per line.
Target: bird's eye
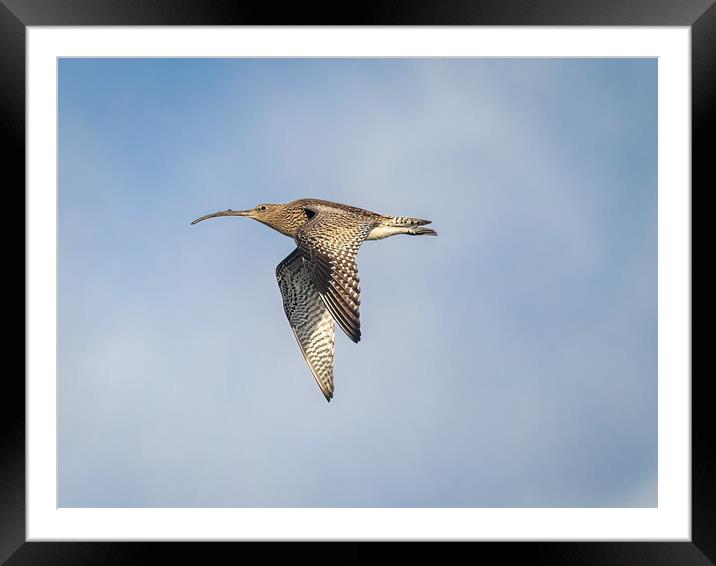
x,y
262,207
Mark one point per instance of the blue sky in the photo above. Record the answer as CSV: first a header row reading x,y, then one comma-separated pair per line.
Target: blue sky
x,y
510,362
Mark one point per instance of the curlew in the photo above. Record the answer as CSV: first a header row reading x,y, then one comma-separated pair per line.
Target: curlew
x,y
319,280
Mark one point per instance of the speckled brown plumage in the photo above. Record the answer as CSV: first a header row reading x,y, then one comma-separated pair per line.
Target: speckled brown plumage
x,y
319,280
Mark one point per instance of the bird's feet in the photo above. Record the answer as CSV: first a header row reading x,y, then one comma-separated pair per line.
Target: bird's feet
x,y
420,231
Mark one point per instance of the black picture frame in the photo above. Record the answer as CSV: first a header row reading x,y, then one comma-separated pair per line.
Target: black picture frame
x,y
17,15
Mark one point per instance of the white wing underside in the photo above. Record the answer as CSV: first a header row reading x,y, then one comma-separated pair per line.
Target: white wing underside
x,y
309,318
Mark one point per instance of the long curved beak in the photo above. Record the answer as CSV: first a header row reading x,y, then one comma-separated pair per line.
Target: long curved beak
x,y
228,212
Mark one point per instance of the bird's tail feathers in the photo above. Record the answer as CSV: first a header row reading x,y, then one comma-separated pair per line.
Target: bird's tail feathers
x,y
399,221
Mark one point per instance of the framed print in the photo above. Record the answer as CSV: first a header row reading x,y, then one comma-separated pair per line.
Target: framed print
x,y
524,378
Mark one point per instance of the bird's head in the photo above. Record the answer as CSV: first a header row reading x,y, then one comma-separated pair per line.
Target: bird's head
x,y
266,213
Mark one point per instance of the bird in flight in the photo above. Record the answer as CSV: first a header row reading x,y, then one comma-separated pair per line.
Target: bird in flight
x,y
319,279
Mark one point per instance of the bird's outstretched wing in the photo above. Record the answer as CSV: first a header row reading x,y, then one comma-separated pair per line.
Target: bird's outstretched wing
x,y
329,243
310,321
